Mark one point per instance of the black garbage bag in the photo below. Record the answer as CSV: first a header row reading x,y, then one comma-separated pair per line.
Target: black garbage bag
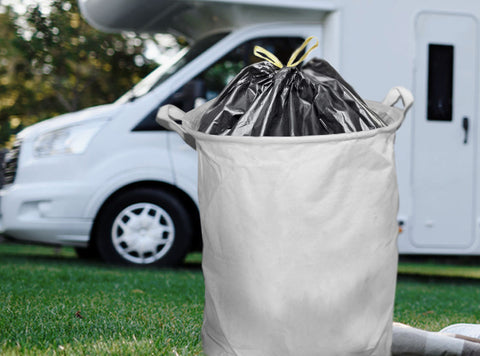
x,y
265,100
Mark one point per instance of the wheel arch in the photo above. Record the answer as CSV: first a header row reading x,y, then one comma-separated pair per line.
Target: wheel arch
x,y
186,200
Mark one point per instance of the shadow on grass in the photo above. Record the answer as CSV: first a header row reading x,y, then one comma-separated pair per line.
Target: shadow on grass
x,y
15,252
22,255
421,267
447,269
422,278
443,259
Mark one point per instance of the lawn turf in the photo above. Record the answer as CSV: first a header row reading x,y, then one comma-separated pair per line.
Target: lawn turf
x,y
52,303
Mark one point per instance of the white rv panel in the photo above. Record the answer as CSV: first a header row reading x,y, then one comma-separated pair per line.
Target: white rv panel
x,y
444,139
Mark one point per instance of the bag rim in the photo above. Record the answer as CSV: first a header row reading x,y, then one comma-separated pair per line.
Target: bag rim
x,y
395,116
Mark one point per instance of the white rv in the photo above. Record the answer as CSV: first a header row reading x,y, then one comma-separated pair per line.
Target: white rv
x,y
110,180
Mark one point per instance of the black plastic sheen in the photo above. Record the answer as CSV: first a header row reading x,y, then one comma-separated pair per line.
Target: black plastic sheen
x,y
264,100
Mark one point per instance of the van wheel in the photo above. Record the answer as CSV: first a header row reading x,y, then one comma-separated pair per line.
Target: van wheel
x,y
144,226
87,253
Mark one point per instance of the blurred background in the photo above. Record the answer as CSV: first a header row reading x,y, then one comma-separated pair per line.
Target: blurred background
x,y
53,62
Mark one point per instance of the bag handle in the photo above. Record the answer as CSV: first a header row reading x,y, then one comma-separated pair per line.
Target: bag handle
x,y
171,117
262,53
292,62
397,93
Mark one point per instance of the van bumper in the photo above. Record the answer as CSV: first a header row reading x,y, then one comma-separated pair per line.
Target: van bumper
x,y
32,213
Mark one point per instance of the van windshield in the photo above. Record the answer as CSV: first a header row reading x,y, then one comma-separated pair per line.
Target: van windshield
x,y
165,71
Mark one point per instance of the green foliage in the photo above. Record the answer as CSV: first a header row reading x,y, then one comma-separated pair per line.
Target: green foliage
x,y
220,74
55,62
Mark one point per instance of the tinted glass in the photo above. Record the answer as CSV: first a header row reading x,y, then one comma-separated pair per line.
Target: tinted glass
x,y
164,72
208,84
440,82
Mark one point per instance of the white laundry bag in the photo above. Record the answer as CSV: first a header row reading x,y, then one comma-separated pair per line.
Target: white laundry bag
x,y
300,237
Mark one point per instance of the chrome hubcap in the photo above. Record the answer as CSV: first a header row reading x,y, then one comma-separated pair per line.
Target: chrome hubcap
x,y
143,233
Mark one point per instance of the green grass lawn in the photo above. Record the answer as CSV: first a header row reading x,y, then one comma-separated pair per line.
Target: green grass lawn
x,y
124,311
127,311
438,291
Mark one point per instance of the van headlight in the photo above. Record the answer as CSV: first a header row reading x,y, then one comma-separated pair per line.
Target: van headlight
x,y
67,140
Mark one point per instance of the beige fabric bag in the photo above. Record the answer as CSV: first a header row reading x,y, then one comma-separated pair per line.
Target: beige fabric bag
x,y
300,253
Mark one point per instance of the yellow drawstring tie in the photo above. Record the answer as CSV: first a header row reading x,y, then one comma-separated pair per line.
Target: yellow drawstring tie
x,y
264,54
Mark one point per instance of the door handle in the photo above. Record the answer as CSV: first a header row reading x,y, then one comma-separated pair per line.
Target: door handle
x,y
465,125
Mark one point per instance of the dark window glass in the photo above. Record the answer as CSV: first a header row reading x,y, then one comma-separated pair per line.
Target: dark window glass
x,y
440,82
149,123
208,84
219,75
159,75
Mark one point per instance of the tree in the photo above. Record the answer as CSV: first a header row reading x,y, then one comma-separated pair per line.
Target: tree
x,y
54,62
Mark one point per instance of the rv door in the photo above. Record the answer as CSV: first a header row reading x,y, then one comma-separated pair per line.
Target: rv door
x,y
444,133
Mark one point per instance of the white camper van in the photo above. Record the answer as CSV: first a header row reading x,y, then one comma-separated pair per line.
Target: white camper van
x,y
110,180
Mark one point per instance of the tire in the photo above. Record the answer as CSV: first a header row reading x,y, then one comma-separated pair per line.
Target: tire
x,y
87,253
144,227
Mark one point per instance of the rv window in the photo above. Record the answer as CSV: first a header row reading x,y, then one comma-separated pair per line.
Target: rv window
x,y
208,84
165,71
440,82
219,75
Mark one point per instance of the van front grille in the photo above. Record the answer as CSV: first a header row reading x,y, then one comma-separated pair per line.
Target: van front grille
x,y
10,163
